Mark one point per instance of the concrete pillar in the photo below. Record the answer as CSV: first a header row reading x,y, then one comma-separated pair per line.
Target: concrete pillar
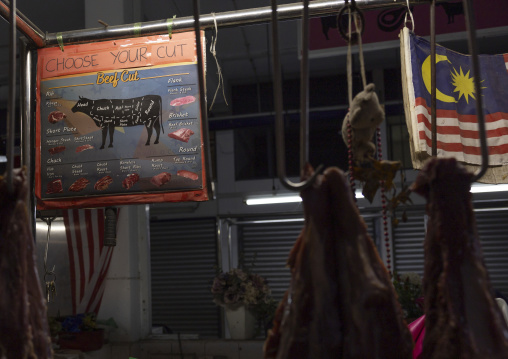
x,y
127,292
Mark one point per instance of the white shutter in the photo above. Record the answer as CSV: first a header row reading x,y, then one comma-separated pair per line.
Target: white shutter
x,y
492,226
183,256
268,243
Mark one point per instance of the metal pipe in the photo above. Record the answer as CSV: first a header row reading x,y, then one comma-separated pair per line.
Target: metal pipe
x,y
259,15
304,89
433,116
278,101
202,102
11,105
26,125
471,34
23,24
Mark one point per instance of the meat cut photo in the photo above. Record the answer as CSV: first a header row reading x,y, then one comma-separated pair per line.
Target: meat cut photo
x,y
182,134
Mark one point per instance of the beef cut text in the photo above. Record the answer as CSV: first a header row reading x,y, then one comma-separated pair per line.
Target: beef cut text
x,y
24,331
462,318
110,113
341,302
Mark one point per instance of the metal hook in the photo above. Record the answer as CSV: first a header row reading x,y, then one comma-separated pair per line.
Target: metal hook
x,y
11,105
471,33
48,221
304,102
202,98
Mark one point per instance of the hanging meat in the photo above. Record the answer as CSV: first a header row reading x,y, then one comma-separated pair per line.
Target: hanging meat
x,y
24,331
462,318
341,302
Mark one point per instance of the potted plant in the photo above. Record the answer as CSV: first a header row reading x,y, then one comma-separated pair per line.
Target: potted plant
x,y
77,332
409,291
246,299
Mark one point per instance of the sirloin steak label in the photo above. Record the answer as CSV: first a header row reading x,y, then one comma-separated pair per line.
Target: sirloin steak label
x,y
119,119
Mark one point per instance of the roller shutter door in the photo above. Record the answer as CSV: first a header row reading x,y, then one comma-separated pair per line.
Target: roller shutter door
x,y
407,240
493,232
268,244
492,225
183,256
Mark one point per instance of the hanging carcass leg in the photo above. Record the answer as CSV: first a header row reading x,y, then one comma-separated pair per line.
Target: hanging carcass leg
x,y
24,331
462,318
341,302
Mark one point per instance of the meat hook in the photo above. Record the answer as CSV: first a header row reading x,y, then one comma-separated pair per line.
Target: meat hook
x,y
11,105
202,100
471,34
50,284
304,102
48,221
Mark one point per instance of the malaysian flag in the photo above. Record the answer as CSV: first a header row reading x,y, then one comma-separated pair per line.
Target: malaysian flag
x,y
457,126
89,259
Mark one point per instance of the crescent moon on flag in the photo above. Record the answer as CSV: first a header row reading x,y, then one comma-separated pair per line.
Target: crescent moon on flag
x,y
426,74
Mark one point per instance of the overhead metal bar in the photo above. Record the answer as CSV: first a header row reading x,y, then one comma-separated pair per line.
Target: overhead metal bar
x,y
224,19
23,24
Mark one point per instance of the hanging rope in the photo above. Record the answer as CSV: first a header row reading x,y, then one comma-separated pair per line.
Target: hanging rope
x,y
411,16
213,51
352,38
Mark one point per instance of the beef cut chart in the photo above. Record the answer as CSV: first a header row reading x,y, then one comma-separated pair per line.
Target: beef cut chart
x,y
141,135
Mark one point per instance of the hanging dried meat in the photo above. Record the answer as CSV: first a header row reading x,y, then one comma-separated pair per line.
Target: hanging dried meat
x,y
462,318
341,302
24,331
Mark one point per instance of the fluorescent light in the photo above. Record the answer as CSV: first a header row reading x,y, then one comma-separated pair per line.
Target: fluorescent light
x,y
484,188
273,200
277,199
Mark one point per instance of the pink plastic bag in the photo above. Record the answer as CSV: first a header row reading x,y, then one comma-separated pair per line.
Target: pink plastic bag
x,y
417,329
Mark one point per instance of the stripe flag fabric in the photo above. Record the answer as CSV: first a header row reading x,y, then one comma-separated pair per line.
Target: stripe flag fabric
x,y
457,126
89,259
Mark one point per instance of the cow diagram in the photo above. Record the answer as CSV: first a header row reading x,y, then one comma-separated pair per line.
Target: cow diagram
x,y
110,113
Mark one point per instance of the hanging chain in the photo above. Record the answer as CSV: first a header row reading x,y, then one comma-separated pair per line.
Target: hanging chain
x,y
384,206
350,157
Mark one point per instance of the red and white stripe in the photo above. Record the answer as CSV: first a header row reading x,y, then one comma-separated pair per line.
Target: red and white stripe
x,y
89,259
457,135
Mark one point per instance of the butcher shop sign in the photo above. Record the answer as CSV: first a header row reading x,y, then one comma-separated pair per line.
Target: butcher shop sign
x,y
118,122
